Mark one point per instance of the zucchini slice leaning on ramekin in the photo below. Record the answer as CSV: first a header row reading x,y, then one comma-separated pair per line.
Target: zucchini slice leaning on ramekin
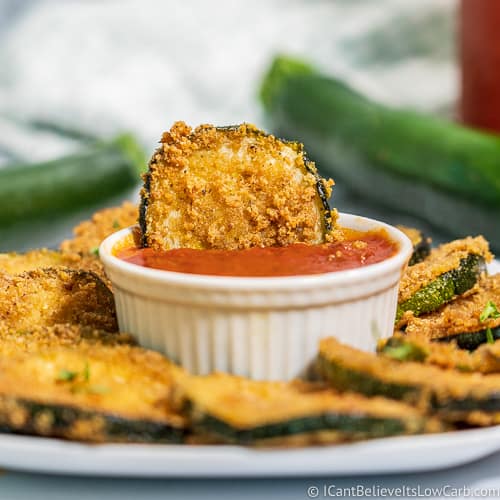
x,y
232,188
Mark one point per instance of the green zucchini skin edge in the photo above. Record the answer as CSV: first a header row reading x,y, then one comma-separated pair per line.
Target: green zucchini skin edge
x,y
143,209
420,251
309,165
346,379
470,340
445,287
465,405
114,427
355,425
100,171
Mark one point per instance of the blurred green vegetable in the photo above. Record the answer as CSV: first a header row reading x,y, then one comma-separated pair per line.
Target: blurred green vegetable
x,y
54,188
445,173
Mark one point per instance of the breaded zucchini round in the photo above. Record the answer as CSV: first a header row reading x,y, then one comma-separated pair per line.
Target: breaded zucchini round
x,y
232,188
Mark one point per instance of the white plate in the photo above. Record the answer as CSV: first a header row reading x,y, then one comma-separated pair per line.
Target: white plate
x,y
389,455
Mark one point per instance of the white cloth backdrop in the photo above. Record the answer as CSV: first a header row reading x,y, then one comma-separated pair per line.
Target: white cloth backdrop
x,y
104,66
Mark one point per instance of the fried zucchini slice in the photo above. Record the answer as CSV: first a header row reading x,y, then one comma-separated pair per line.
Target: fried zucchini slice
x,y
89,234
237,410
421,244
450,395
232,188
113,393
449,271
461,320
47,297
405,348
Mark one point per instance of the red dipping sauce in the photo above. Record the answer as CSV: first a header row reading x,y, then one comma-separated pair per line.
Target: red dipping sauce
x,y
293,260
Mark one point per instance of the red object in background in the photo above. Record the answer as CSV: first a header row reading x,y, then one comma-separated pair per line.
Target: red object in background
x,y
480,58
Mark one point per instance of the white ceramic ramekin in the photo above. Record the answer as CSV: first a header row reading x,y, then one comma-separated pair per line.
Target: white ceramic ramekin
x,y
262,328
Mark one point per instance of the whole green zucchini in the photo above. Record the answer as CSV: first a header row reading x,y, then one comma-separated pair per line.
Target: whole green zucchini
x,y
48,189
422,165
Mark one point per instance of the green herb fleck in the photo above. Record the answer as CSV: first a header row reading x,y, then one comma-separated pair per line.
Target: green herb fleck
x,y
490,311
489,336
403,351
95,251
116,224
66,375
86,372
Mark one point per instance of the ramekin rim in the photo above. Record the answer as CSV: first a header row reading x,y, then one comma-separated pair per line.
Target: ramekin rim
x,y
349,276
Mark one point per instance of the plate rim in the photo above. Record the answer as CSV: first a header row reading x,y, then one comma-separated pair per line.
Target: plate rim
x,y
224,461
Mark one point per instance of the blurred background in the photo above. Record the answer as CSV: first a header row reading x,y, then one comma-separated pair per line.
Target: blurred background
x,y
75,72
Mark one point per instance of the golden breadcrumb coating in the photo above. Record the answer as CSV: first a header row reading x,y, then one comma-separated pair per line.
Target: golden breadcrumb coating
x,y
415,235
231,188
460,316
40,338
17,263
46,297
441,260
89,234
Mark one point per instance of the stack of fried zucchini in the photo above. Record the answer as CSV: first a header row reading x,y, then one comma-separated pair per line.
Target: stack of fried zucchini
x,y
443,358
66,371
452,395
448,296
